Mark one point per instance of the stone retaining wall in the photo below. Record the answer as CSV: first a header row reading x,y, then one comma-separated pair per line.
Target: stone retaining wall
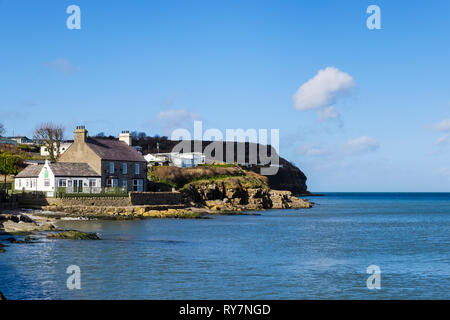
x,y
91,201
153,198
134,199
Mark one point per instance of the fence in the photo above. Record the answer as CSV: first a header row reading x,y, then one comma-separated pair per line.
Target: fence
x,y
65,192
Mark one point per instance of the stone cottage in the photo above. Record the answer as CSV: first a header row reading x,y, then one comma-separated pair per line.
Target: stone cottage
x,y
115,160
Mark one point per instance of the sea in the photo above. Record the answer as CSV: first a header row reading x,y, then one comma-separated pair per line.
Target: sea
x,y
348,246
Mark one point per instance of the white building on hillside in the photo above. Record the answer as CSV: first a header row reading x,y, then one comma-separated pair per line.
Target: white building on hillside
x,y
156,159
176,159
189,159
62,148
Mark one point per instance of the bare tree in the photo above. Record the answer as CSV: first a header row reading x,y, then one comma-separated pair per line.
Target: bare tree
x,y
2,129
50,136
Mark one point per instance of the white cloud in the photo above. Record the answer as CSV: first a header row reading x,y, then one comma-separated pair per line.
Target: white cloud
x,y
172,119
323,91
444,140
361,145
443,126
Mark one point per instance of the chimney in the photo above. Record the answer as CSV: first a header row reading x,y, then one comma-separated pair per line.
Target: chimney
x,y
80,134
125,136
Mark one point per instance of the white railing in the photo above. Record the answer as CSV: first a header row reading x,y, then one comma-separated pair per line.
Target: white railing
x,y
92,189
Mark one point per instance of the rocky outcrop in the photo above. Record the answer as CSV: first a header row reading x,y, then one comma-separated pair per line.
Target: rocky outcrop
x,y
11,223
73,235
239,194
2,297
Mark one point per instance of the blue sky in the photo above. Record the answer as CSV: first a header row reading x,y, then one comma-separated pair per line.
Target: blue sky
x,y
154,65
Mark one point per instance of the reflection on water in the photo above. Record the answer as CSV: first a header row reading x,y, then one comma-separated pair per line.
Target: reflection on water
x,y
282,254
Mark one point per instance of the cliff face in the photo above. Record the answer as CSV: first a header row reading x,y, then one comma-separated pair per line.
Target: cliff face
x,y
288,177
240,193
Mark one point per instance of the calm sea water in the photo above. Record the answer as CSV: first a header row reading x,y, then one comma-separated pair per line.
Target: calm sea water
x,y
321,253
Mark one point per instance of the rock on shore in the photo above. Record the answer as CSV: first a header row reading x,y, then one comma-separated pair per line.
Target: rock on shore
x,y
241,193
2,297
16,222
73,235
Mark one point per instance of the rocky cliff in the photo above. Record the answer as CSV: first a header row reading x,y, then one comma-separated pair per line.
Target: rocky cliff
x,y
249,192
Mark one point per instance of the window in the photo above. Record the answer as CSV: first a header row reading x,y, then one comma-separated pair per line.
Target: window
x,y
138,185
46,183
136,168
111,167
124,184
124,168
111,182
62,182
69,183
92,183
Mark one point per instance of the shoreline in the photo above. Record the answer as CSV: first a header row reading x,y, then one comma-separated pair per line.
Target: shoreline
x,y
28,221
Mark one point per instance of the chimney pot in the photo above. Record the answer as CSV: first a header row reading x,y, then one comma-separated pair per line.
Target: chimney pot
x,y
126,137
80,134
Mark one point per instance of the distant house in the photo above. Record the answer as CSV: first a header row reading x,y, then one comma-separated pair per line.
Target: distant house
x,y
156,159
21,140
176,159
87,165
64,145
48,177
189,159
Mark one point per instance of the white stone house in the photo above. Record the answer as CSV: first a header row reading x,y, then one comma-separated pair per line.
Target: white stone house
x,y
62,148
76,177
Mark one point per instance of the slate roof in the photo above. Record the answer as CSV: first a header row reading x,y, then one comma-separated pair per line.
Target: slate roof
x,y
70,169
60,169
31,171
112,149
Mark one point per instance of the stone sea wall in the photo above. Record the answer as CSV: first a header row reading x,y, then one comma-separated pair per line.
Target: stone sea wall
x,y
133,199
90,201
155,198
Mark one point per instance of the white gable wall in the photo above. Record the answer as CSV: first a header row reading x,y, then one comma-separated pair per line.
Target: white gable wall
x,y
46,182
